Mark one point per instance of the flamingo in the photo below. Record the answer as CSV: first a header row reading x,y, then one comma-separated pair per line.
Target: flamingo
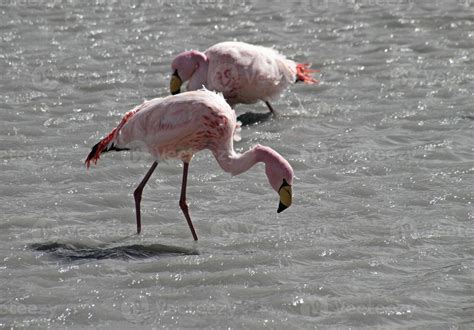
x,y
244,73
176,127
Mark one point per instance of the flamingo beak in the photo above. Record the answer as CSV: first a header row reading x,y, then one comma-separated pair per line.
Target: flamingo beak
x,y
175,83
286,196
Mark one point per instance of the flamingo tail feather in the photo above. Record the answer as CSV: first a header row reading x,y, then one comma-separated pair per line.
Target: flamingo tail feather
x,y
303,73
107,143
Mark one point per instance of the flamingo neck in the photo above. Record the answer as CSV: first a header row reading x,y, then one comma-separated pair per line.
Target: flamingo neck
x,y
199,77
236,164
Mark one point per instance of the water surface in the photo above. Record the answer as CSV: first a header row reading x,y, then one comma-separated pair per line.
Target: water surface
x,y
380,233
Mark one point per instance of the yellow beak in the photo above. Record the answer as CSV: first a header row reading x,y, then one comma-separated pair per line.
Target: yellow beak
x,y
286,196
175,83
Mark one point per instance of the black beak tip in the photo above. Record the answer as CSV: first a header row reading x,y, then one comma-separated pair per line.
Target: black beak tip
x,y
281,208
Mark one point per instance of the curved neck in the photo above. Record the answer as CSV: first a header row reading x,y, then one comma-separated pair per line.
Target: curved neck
x,y
236,164
199,76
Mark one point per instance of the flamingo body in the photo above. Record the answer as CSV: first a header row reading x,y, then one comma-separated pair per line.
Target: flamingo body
x,y
244,73
178,127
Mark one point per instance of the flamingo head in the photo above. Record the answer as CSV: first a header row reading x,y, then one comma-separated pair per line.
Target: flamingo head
x,y
280,175
183,67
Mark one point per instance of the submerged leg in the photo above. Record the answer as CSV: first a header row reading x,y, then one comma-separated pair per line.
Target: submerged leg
x,y
250,118
182,200
137,194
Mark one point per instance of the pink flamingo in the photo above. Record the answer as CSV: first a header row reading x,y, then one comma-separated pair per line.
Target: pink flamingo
x,y
244,73
176,127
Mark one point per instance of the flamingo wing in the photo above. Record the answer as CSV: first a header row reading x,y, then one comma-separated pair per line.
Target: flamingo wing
x,y
174,123
159,122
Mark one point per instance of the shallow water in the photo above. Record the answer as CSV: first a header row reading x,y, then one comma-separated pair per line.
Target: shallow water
x,y
380,233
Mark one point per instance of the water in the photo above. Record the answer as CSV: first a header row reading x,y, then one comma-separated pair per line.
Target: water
x,y
380,233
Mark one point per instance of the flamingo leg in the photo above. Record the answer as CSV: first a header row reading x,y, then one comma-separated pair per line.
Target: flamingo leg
x,y
270,107
137,194
182,200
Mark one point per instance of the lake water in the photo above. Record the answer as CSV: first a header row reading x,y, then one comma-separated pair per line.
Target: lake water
x,y
380,234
